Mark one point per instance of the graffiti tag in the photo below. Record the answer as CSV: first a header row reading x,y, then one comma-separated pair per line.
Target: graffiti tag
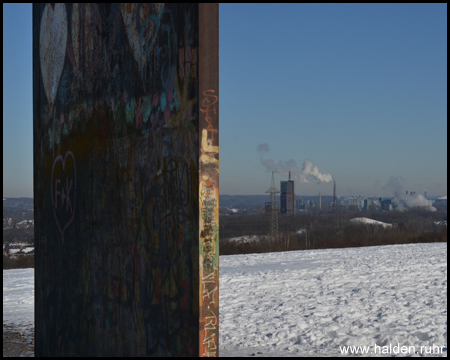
x,y
209,339
63,191
208,107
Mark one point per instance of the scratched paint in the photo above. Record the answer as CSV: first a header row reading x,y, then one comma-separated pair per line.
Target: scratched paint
x,y
209,229
125,176
208,175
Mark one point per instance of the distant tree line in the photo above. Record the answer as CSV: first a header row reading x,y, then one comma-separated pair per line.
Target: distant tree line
x,y
326,231
330,231
18,262
18,235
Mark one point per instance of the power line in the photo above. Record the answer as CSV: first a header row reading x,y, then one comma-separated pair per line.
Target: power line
x,y
273,233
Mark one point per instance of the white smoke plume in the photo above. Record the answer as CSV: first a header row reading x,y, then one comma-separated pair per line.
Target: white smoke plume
x,y
308,174
419,200
395,185
413,201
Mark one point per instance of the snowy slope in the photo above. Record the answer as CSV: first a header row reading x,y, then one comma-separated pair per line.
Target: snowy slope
x,y
244,239
256,238
364,220
18,298
309,303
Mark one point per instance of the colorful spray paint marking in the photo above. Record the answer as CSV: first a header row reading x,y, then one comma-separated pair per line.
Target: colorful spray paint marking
x,y
209,229
210,328
127,260
63,191
209,101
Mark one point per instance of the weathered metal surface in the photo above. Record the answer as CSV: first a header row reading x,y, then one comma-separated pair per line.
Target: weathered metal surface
x,y
122,175
209,178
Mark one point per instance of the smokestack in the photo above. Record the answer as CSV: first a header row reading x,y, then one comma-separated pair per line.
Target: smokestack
x,y
406,192
425,194
320,200
289,175
334,196
359,202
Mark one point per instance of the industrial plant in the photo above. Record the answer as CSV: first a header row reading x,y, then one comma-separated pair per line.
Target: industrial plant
x,y
291,204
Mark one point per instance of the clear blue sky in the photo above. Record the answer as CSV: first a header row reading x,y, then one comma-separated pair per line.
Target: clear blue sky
x,y
359,90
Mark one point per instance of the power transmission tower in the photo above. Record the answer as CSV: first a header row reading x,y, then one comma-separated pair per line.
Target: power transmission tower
x,y
274,210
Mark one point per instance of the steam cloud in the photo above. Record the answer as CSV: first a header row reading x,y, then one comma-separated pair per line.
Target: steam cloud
x,y
413,201
395,184
308,174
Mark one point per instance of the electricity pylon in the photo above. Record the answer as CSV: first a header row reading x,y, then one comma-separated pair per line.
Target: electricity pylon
x,y
274,210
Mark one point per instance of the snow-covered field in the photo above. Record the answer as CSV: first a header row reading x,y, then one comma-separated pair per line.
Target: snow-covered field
x,y
18,298
244,239
313,303
364,220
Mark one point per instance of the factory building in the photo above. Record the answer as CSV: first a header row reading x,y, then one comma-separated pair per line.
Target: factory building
x,y
386,204
366,204
441,200
287,196
299,204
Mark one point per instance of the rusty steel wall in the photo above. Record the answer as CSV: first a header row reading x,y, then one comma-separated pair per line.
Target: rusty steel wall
x,y
125,180
209,178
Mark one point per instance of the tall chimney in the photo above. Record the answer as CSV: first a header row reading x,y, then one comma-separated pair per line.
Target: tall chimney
x,y
425,194
320,201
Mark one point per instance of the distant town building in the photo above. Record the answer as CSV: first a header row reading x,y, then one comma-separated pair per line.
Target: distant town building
x,y
386,205
299,204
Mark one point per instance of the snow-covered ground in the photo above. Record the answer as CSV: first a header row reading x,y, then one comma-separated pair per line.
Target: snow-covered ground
x,y
18,298
25,251
304,303
256,238
365,220
313,303
244,239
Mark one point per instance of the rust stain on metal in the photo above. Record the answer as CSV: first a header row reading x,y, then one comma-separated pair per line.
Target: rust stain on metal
x,y
209,178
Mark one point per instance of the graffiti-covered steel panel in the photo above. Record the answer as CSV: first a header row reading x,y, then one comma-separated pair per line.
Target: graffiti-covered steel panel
x,y
124,179
209,179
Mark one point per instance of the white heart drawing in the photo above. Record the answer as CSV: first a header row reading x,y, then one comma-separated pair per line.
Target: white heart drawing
x,y
149,17
52,48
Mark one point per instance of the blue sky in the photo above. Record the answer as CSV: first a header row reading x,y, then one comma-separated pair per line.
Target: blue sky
x,y
358,90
